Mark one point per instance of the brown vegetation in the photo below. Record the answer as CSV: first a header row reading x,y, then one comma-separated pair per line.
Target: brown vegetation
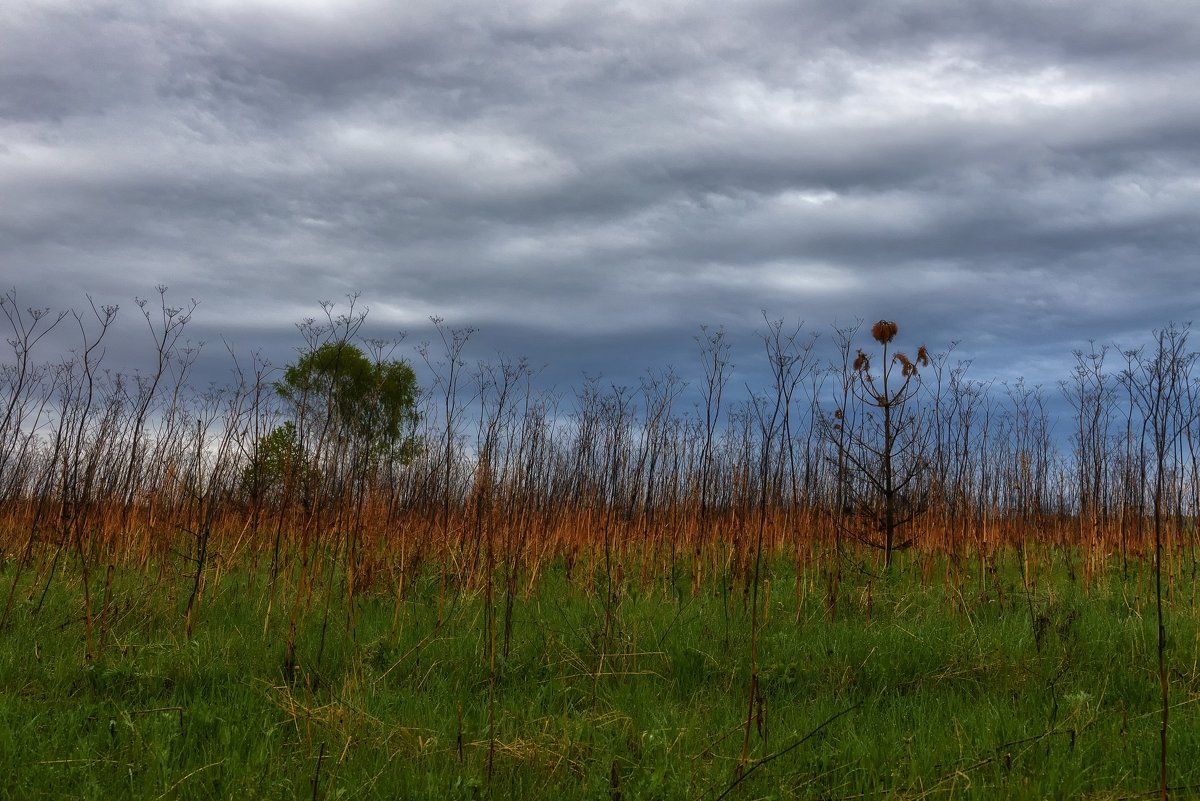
x,y
829,466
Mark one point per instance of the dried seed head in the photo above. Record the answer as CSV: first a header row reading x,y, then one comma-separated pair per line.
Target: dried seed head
x,y
907,368
884,331
861,362
922,356
837,414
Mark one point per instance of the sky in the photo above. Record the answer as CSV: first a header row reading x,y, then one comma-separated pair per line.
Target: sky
x,y
587,183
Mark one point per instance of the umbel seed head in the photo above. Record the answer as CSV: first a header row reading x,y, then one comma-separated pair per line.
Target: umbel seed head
x,y
884,331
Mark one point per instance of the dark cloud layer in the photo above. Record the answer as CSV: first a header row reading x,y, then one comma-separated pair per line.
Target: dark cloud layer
x,y
589,182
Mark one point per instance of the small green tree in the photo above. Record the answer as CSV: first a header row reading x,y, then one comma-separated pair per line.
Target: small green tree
x,y
277,457
339,392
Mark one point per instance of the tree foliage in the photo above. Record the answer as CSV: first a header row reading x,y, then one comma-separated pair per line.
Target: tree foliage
x,y
277,457
341,393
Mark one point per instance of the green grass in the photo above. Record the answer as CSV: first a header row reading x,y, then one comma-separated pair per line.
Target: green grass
x,y
951,694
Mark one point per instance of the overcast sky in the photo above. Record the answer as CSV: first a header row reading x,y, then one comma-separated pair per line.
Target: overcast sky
x,y
589,182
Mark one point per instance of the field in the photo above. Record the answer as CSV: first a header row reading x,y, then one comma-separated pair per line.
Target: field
x,y
936,681
870,577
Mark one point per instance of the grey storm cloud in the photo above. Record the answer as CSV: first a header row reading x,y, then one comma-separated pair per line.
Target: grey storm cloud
x,y
592,181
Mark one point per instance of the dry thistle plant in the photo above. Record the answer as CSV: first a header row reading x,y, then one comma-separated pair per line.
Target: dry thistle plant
x,y
888,449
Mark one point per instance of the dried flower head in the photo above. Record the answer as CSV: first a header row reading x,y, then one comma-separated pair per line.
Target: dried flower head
x,y
884,331
837,414
922,356
907,368
861,362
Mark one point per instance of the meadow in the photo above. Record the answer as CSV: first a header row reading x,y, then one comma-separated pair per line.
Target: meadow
x,y
915,688
873,576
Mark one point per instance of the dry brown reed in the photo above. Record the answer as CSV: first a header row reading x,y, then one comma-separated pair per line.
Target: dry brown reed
x,y
110,470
